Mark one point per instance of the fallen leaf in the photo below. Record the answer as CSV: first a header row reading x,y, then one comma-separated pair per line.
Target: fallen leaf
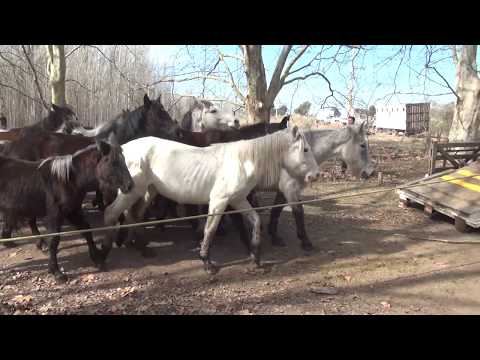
x,y
127,291
386,305
22,300
88,278
13,254
348,278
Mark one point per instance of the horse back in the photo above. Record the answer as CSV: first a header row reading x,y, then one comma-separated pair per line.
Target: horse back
x,y
22,190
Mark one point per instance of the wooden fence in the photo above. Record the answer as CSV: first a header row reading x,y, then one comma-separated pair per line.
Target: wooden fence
x,y
444,156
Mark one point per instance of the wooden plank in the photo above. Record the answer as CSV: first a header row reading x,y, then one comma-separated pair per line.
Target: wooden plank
x,y
473,221
448,157
459,144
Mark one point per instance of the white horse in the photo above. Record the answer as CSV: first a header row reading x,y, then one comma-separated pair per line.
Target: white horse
x,y
218,175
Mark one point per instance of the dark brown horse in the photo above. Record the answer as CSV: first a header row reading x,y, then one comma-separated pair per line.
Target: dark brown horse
x,y
214,136
35,145
58,117
55,188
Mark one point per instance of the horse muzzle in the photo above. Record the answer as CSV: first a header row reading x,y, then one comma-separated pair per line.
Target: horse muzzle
x,y
313,176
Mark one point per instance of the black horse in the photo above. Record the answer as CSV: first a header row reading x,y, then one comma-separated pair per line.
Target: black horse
x,y
56,187
150,119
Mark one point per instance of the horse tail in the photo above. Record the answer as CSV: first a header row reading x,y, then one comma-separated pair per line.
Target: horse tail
x,y
59,167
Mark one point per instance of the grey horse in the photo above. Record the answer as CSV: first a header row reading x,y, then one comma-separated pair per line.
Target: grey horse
x,y
200,115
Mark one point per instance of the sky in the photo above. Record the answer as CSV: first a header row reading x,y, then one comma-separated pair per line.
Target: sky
x,y
376,78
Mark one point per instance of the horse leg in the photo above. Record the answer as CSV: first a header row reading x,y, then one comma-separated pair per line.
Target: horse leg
x,y
111,215
192,210
98,201
172,208
252,198
344,167
54,224
254,219
240,225
216,206
137,214
8,226
78,220
201,222
221,231
298,213
122,233
274,216
41,243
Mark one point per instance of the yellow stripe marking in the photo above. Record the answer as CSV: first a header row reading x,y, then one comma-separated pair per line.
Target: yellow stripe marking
x,y
465,172
467,185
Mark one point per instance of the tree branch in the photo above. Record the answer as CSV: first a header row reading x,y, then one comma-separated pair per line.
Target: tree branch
x,y
71,52
20,92
445,80
45,105
142,86
294,60
232,80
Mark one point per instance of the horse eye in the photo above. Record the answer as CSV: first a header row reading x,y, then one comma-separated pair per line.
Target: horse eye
x,y
305,150
363,146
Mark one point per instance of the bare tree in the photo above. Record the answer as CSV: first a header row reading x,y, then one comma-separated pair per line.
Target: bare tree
x,y
56,69
466,118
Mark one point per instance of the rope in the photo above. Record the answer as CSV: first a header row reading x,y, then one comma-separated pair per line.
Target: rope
x,y
186,218
423,238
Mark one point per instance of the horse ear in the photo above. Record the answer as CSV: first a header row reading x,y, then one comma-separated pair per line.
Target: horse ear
x,y
146,101
361,128
103,147
295,133
284,122
53,107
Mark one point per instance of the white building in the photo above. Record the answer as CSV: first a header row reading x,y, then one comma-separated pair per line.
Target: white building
x,y
410,118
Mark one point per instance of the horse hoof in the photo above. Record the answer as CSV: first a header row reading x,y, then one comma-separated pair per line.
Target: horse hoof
x,y
278,242
61,278
101,266
148,253
307,246
211,268
9,244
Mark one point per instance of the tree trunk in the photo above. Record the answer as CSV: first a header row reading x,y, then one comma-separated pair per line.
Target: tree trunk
x,y
56,68
466,118
258,107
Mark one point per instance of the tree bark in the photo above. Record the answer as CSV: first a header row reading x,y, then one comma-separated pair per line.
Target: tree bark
x,y
257,107
466,118
56,69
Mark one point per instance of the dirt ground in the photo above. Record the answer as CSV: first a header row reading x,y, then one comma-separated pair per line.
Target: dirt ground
x,y
368,260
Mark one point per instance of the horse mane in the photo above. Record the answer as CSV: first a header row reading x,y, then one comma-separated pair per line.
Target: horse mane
x,y
132,119
61,166
265,153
